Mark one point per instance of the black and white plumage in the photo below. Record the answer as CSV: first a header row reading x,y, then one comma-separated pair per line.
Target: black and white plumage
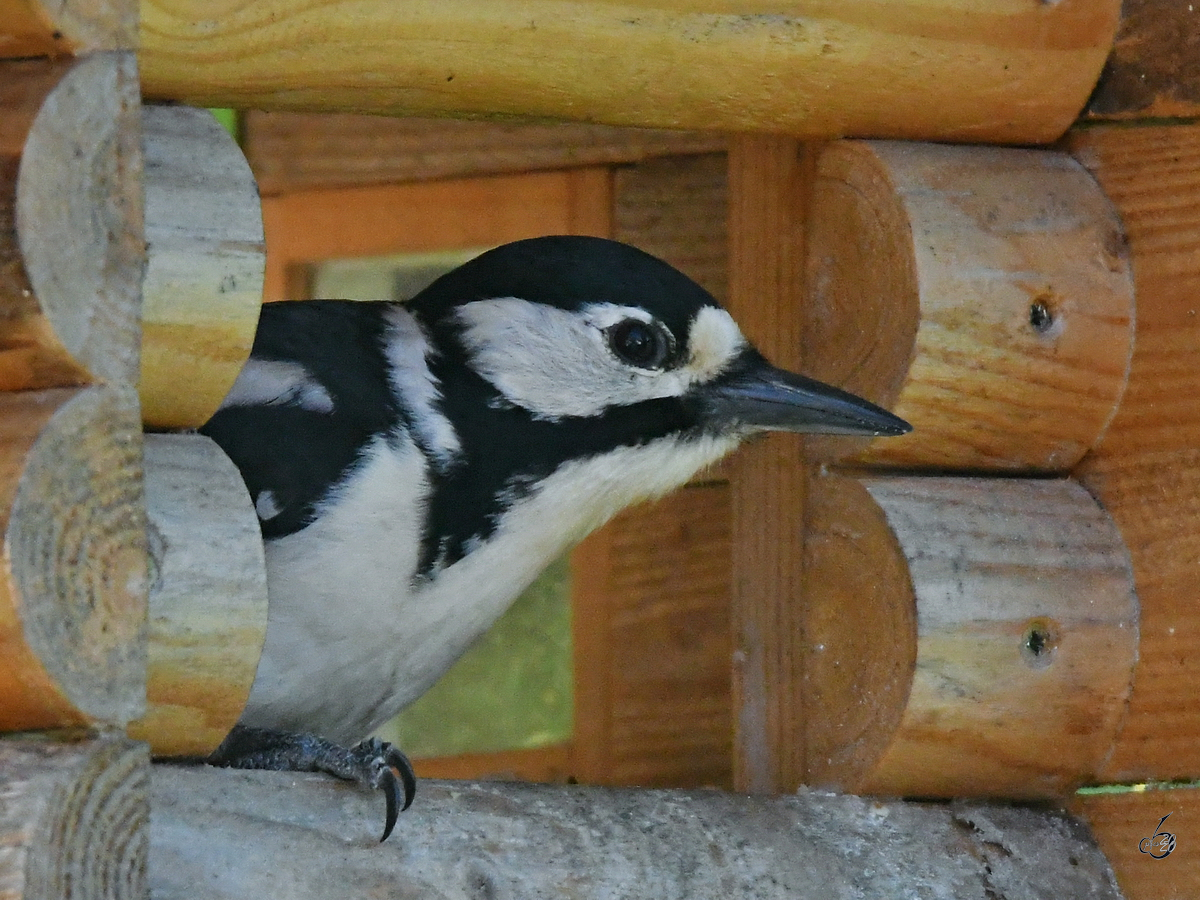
x,y
415,466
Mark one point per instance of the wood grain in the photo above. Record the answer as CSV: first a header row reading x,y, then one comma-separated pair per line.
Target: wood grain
x,y
1146,471
73,568
308,226
206,259
1154,69
75,819
301,151
71,240
208,596
969,71
59,27
769,183
928,268
1013,606
1124,825
464,839
652,645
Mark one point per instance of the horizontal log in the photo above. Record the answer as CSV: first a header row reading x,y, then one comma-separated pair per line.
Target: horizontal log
x,y
463,839
1146,471
300,151
74,819
985,294
1154,69
73,562
58,27
208,596
71,243
966,636
206,261
967,71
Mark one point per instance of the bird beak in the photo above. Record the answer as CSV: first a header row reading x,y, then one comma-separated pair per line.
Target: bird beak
x,y
761,397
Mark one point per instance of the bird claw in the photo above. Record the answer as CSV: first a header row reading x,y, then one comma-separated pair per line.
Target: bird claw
x,y
386,761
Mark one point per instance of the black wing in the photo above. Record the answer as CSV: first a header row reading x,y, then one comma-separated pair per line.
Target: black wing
x,y
298,453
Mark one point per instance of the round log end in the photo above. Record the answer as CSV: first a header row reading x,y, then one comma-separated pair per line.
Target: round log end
x,y
208,596
79,215
73,595
984,294
861,632
206,261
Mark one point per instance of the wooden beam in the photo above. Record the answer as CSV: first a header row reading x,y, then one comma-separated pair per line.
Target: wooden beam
x,y
74,820
968,71
1125,825
59,27
967,636
302,151
71,241
206,259
1146,470
769,183
208,598
984,294
1154,69
515,840
73,563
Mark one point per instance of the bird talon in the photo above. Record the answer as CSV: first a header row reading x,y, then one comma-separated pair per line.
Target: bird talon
x,y
391,791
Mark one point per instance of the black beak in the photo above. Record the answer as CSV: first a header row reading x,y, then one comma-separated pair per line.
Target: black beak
x,y
760,397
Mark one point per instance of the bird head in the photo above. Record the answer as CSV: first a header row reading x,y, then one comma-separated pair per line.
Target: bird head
x,y
578,329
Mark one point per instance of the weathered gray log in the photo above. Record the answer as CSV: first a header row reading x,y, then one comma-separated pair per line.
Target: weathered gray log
x,y
219,833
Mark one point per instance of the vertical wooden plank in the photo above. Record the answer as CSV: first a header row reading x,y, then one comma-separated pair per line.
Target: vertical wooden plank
x,y
1146,470
769,179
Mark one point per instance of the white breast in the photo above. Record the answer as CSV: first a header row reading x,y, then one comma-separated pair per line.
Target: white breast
x,y
351,641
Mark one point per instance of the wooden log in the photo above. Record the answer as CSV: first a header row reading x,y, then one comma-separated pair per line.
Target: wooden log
x,y
769,178
1154,69
1125,825
47,28
967,636
73,565
299,151
969,71
985,294
71,245
464,839
74,819
208,596
1146,471
206,260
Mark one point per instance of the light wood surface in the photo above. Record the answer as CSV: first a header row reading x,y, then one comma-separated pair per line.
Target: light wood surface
x,y
206,259
1146,471
208,596
769,179
58,27
301,151
73,585
71,242
984,294
1125,824
971,636
74,820
228,833
968,70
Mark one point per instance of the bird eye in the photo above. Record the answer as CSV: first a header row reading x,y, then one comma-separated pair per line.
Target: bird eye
x,y
640,344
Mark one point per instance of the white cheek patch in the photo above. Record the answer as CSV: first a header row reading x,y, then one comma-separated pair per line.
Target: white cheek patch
x,y
276,382
557,363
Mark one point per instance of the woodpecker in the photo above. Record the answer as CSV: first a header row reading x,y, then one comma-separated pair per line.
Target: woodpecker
x,y
415,465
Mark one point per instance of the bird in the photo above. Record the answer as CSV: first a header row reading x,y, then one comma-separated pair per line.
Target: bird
x,y
415,465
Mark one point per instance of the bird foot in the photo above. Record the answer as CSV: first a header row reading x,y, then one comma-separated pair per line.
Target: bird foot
x,y
372,763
